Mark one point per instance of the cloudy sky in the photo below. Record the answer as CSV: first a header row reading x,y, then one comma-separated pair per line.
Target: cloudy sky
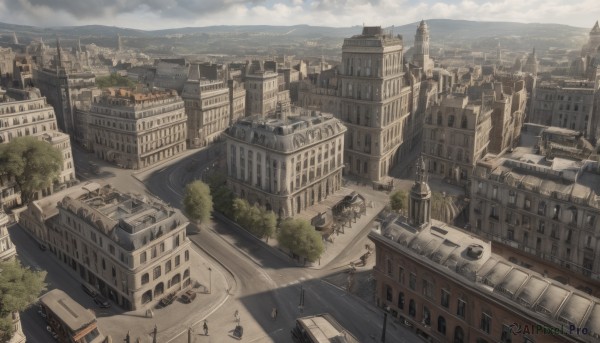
x,y
159,14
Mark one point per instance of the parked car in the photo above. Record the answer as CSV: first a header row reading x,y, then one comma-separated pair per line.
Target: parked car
x,y
188,296
101,301
168,300
89,290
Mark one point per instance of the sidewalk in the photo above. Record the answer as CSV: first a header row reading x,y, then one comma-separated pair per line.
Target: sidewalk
x,y
174,319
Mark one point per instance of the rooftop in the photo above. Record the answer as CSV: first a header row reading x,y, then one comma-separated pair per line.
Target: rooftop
x,y
75,316
324,328
468,260
302,127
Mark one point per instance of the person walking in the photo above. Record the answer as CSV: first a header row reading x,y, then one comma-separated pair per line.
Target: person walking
x,y
274,313
205,328
236,316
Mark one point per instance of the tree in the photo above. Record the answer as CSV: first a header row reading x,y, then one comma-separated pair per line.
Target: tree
x,y
221,194
114,80
34,164
19,287
398,200
256,220
197,201
301,238
443,207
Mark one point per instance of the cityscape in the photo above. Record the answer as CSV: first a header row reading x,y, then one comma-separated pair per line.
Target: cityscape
x,y
170,181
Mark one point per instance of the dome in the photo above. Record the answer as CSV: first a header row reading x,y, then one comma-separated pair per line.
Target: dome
x,y
421,188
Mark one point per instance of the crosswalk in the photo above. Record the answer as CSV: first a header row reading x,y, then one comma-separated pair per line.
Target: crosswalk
x,y
293,283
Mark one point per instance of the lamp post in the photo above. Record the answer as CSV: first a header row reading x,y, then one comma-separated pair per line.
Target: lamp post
x,y
209,280
385,314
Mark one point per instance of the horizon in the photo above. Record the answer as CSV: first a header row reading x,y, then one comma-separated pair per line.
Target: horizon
x,y
150,15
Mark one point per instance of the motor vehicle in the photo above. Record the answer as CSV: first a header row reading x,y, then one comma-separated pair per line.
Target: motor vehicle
x,y
89,290
168,300
101,301
188,296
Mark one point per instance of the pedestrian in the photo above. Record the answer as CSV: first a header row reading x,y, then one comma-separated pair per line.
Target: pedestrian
x,y
274,313
205,328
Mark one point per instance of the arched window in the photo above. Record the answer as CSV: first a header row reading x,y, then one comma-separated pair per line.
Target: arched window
x,y
459,335
145,279
426,316
441,325
411,308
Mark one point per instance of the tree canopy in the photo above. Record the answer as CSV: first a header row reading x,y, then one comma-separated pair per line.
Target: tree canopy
x,y
399,200
197,201
33,163
301,238
114,80
257,220
221,194
19,287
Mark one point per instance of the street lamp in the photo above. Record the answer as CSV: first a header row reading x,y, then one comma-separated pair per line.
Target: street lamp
x,y
209,280
385,314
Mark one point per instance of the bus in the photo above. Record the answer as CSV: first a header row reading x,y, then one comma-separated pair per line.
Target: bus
x,y
321,328
69,322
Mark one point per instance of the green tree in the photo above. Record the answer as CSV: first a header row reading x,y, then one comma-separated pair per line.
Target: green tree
x,y
268,224
114,80
33,163
221,194
19,287
399,200
197,201
301,238
256,220
443,207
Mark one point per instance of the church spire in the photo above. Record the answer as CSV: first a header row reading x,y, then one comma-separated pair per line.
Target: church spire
x,y
59,55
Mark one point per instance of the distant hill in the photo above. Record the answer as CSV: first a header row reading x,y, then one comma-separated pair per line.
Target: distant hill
x,y
443,31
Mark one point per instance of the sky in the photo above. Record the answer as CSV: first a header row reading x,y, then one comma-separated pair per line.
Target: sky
x,y
161,14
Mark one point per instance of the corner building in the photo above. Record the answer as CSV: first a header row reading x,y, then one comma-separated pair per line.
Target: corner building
x,y
137,129
448,286
133,250
286,164
374,104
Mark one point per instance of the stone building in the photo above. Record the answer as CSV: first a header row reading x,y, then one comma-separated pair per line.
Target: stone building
x,y
456,134
449,286
587,66
170,73
261,92
540,202
28,114
207,106
567,104
132,249
421,53
237,100
375,103
286,164
136,129
7,248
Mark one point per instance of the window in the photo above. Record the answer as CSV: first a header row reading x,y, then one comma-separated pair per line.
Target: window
x,y
156,272
401,300
463,122
143,257
389,266
512,197
527,203
442,325
167,266
541,226
506,336
589,220
461,308
111,248
145,279
186,255
451,120
162,247
426,316
486,322
388,293
427,289
445,299
459,335
411,308
542,208
494,192
401,275
412,282
556,212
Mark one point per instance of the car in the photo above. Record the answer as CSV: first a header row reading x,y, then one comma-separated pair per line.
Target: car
x,y
89,290
101,301
168,300
188,296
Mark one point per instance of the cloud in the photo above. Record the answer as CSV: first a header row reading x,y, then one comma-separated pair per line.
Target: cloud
x,y
156,14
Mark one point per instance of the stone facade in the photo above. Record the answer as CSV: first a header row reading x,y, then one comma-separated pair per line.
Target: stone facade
x,y
261,92
286,164
237,100
137,129
131,249
541,200
421,54
566,104
448,286
7,248
33,117
207,106
456,134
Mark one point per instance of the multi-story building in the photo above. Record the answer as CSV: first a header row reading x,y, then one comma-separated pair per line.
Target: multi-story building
x,y
32,116
170,73
510,97
566,104
237,100
421,55
540,202
136,129
449,286
456,134
375,103
286,164
207,108
133,250
7,248
588,65
261,92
